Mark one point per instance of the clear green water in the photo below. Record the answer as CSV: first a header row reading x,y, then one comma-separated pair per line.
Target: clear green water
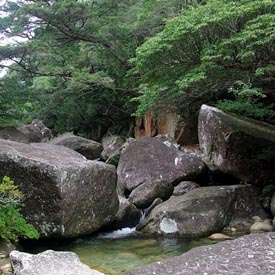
x,y
115,256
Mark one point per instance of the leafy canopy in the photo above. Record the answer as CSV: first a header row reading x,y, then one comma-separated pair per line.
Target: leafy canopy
x,y
88,65
204,54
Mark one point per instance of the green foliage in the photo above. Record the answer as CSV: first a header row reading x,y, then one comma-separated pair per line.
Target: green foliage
x,y
12,224
247,101
96,62
77,58
113,160
202,55
268,189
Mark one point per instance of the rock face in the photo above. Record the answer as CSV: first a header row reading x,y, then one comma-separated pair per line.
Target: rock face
x,y
111,146
203,211
241,147
155,159
65,195
272,205
36,131
184,187
184,131
11,133
49,263
143,196
127,215
249,255
5,248
88,148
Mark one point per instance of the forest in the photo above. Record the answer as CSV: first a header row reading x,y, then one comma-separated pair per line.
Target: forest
x,y
89,64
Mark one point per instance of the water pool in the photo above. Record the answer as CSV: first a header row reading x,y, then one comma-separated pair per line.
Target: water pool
x,y
117,252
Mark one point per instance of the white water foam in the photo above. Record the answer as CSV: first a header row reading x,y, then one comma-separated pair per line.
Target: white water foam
x,y
117,234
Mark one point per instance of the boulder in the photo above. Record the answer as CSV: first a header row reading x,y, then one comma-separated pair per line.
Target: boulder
x,y
45,131
88,148
272,205
127,215
261,226
143,196
238,146
219,237
146,211
249,255
65,194
6,269
184,187
11,133
183,130
165,122
149,159
112,145
5,248
49,263
36,131
203,211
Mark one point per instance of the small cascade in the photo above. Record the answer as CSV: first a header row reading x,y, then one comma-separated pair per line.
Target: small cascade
x,y
118,234
123,232
142,217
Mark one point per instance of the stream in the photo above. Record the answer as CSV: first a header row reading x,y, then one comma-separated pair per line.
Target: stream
x,y
117,252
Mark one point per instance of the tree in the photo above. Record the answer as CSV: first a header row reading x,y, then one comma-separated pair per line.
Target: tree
x,y
219,50
77,58
78,54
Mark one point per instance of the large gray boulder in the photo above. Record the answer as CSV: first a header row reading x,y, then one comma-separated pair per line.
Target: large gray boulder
x,y
272,205
65,194
89,148
203,211
238,146
49,263
11,133
248,255
127,215
156,158
184,187
143,196
36,131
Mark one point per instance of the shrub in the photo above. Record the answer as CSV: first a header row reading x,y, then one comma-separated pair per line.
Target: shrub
x,y
12,225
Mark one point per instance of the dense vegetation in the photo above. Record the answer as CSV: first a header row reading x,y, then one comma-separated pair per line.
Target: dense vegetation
x,y
87,66
12,225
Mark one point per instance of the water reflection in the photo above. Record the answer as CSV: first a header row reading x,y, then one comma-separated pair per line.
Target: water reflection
x,y
114,255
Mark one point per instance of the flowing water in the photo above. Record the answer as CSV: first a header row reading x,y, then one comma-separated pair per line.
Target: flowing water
x,y
117,252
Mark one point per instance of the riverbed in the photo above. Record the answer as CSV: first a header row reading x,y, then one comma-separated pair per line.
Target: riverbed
x,y
117,252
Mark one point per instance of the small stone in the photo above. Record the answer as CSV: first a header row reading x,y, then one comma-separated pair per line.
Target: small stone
x,y
6,268
219,236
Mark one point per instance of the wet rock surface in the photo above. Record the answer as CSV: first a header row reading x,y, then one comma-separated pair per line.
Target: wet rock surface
x,y
250,255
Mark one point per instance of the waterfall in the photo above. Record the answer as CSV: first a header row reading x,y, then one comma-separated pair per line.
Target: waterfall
x,y
123,232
